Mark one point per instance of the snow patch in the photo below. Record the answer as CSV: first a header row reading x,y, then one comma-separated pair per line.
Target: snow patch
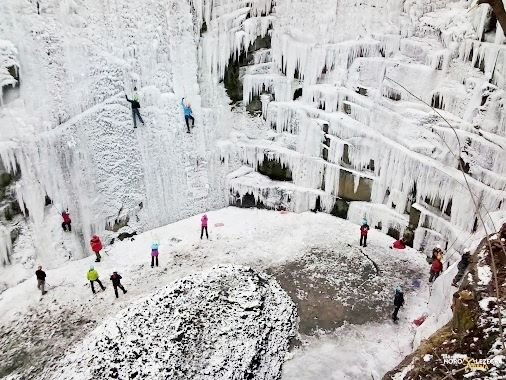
x,y
228,322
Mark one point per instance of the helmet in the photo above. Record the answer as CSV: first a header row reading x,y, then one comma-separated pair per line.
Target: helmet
x,y
467,250
438,246
398,289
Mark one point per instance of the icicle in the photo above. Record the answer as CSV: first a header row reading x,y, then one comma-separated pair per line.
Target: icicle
x,y
5,245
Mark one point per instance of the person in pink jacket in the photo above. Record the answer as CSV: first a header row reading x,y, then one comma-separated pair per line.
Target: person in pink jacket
x,y
203,226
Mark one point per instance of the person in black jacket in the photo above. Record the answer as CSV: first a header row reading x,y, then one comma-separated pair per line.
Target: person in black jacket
x,y
462,266
135,108
116,283
41,279
398,302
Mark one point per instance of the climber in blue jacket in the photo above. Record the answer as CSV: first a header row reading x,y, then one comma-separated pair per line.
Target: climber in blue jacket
x,y
187,115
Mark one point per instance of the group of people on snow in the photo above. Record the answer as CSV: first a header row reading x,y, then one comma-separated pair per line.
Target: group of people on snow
x,y
436,265
96,246
135,104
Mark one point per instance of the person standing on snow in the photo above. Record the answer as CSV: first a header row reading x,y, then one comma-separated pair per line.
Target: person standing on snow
x,y
436,268
398,302
135,107
203,226
154,253
41,279
462,266
116,283
66,221
188,114
92,277
364,230
96,246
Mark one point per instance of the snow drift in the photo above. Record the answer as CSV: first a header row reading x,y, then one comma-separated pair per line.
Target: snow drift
x,y
229,322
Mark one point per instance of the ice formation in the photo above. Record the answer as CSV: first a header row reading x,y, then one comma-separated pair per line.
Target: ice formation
x,y
340,88
225,323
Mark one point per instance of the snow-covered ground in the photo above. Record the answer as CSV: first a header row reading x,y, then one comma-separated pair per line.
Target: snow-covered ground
x,y
261,239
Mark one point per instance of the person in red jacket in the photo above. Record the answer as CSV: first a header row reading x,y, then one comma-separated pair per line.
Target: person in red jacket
x,y
66,221
398,244
436,268
364,230
96,246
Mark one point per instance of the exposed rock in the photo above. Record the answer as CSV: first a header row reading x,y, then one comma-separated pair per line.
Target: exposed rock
x,y
274,170
347,187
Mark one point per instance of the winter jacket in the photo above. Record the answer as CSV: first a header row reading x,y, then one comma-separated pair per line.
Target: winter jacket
x,y
364,230
154,249
187,110
203,221
399,244
116,279
464,262
96,244
399,298
92,275
66,217
41,275
134,102
437,266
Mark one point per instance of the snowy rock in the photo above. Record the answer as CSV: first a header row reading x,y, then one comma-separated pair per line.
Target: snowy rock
x,y
229,322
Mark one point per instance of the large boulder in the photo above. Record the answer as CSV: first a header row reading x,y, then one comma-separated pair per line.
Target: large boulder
x,y
226,323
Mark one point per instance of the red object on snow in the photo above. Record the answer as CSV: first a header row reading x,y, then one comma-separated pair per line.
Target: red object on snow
x,y
96,244
420,320
398,244
218,224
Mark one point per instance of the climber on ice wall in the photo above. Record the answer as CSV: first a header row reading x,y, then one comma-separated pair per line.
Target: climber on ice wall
x,y
66,224
188,114
135,107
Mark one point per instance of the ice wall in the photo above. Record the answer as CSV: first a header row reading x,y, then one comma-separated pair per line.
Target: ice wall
x,y
70,131
350,88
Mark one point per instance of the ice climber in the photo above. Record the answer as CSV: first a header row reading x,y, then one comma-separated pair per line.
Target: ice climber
x,y
203,226
436,267
188,114
364,230
154,254
96,246
135,107
398,302
66,224
41,279
116,283
462,266
92,277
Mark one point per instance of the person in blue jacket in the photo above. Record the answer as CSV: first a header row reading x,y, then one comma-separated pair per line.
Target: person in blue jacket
x,y
187,115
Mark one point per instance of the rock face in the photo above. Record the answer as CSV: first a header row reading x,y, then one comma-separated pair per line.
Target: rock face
x,y
227,323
